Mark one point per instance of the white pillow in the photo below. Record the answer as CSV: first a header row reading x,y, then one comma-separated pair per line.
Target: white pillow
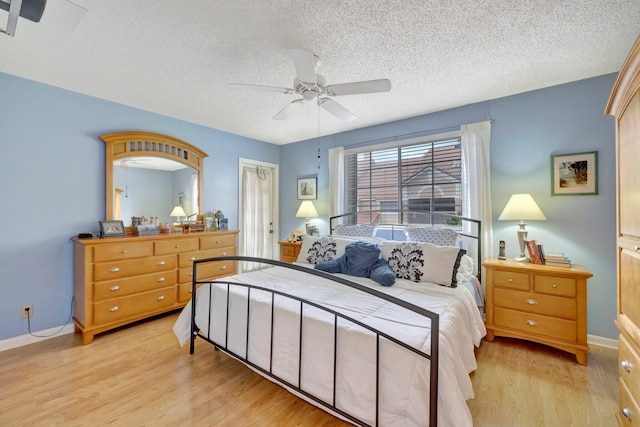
x,y
465,272
423,262
325,248
358,230
436,236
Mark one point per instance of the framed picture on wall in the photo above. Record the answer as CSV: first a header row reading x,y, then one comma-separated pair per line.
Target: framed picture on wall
x,y
307,188
111,228
574,174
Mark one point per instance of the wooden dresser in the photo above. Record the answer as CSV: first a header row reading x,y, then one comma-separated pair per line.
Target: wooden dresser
x,y
119,280
538,303
624,104
289,251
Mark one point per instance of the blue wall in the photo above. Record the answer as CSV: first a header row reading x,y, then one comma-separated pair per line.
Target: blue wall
x,y
52,181
53,187
527,128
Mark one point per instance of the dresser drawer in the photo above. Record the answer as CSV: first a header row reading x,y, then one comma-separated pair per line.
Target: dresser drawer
x,y
217,241
535,324
105,312
186,260
174,246
561,286
511,279
628,406
120,269
208,270
123,250
629,366
535,303
132,285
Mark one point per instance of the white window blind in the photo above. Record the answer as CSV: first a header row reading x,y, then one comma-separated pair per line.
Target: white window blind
x,y
386,182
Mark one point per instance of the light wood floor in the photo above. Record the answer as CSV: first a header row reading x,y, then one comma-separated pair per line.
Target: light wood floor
x,y
138,375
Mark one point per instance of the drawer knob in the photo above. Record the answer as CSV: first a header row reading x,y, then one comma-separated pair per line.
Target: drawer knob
x,y
177,246
161,297
125,251
161,263
510,279
191,274
192,258
224,267
114,288
554,286
625,365
626,412
532,302
532,323
114,308
224,254
161,279
114,269
636,247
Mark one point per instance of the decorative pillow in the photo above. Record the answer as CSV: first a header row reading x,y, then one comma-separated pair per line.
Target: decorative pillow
x,y
465,272
435,236
359,230
423,262
317,248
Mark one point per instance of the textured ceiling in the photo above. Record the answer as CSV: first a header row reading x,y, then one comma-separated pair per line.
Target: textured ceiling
x,y
176,58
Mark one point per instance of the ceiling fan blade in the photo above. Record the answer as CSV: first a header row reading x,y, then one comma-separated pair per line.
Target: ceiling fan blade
x,y
336,109
284,90
305,64
289,109
354,88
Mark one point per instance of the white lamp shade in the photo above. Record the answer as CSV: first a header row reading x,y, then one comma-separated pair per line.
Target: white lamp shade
x,y
307,210
522,207
178,211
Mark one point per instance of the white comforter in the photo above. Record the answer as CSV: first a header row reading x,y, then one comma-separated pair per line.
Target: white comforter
x,y
404,376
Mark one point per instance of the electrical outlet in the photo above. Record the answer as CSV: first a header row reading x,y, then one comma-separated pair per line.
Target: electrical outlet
x,y
27,311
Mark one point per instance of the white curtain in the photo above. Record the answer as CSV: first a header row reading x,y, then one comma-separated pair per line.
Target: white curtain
x,y
256,221
476,180
336,181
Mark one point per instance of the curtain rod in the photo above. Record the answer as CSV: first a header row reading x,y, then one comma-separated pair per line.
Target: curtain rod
x,y
403,137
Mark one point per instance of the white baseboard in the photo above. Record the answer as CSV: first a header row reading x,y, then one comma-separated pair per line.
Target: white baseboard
x,y
602,341
27,339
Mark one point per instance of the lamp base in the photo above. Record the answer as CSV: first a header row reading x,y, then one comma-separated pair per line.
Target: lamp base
x,y
521,259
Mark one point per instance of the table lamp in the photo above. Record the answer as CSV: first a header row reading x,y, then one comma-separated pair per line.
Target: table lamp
x,y
521,207
178,212
307,210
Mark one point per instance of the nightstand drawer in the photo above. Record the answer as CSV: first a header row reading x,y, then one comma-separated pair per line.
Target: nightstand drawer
x,y
289,251
511,279
535,324
562,286
535,303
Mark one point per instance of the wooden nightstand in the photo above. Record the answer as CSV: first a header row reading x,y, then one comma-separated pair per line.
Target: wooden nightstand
x,y
289,250
539,303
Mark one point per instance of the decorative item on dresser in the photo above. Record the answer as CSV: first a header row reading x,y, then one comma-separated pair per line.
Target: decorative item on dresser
x,y
624,104
538,303
289,251
119,281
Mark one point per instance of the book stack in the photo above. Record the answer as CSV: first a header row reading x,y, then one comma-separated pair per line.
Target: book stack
x,y
557,260
536,252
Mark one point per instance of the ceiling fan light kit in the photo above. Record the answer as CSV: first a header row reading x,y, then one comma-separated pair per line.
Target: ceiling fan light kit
x,y
311,86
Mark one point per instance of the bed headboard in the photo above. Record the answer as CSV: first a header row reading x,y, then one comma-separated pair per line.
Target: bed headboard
x,y
394,225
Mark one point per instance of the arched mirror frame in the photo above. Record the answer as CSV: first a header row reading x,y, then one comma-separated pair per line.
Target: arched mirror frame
x,y
131,144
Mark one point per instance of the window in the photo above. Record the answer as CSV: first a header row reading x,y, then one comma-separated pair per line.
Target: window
x,y
386,182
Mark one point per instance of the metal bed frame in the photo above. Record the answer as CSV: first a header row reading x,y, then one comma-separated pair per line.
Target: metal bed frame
x,y
434,321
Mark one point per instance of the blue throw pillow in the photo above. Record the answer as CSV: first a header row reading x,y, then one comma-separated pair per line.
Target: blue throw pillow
x,y
361,259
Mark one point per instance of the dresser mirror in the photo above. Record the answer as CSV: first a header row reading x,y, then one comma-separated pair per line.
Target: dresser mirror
x,y
148,174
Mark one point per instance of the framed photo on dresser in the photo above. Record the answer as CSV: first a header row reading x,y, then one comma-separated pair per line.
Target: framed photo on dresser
x,y
111,228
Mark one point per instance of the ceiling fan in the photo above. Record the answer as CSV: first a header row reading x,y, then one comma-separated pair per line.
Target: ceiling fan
x,y
311,86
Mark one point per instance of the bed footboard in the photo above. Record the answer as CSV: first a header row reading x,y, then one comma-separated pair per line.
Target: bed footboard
x,y
229,295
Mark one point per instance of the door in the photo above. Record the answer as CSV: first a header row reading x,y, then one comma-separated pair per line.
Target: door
x,y
258,202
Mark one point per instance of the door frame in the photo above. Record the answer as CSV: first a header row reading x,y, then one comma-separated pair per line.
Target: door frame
x,y
242,162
